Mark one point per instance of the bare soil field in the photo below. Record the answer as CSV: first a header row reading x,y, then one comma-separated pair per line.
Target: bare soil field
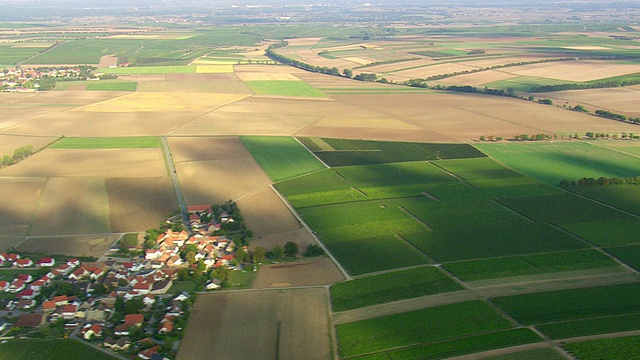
x,y
20,197
575,70
139,204
91,163
312,57
8,242
216,181
300,236
256,76
389,68
619,100
317,271
270,69
265,324
163,101
266,214
303,41
426,71
9,143
467,117
206,148
69,245
208,83
108,60
72,206
87,124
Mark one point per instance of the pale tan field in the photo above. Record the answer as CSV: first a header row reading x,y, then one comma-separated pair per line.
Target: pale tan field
x,y
214,69
300,236
9,143
303,41
108,60
216,181
209,83
575,70
8,242
91,163
270,69
389,68
206,148
333,82
266,214
87,124
499,61
312,57
254,76
359,61
317,271
163,101
284,324
477,79
424,72
139,204
145,78
72,206
619,100
20,197
69,245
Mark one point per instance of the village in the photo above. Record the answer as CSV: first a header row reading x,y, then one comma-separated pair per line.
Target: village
x,y
43,78
121,304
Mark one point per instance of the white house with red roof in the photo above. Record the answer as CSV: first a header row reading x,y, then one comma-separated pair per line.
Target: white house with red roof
x,y
27,278
23,263
46,262
4,285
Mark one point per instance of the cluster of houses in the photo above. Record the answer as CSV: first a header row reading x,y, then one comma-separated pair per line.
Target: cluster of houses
x,y
28,80
101,284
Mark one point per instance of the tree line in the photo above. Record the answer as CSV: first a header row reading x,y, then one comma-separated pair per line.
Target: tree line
x,y
19,154
601,181
581,86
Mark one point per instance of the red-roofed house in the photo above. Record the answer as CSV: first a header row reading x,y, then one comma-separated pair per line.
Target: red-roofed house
x,y
28,294
69,311
37,285
121,330
49,306
79,274
61,300
4,285
92,331
147,354
46,262
24,262
16,285
134,319
73,262
26,278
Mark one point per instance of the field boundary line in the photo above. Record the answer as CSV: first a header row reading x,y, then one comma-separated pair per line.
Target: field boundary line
x,y
309,150
514,211
414,217
613,149
453,276
299,218
168,132
598,337
504,351
413,248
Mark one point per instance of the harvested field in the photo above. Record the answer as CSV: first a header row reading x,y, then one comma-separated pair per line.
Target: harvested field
x,y
9,143
69,245
293,324
7,242
216,181
576,70
202,148
307,41
318,271
389,68
255,76
108,60
19,203
139,204
266,214
267,69
91,163
214,69
426,71
619,100
477,79
163,101
207,83
72,206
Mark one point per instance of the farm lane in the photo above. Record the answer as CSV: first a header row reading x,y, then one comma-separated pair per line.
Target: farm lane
x,y
401,306
176,184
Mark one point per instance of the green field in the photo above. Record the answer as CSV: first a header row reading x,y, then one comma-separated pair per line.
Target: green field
x,y
525,83
398,285
529,264
467,345
12,54
107,142
595,326
624,197
537,354
284,88
572,304
339,152
416,327
552,162
624,348
49,350
281,157
113,86
630,255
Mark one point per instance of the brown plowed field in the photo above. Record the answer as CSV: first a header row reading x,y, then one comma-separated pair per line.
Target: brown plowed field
x,y
9,143
320,271
7,242
20,197
72,206
216,181
203,148
266,214
208,83
261,324
139,204
69,245
91,163
300,236
619,100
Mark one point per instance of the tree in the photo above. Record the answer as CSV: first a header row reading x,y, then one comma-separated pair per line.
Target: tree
x,y
258,255
347,73
191,257
313,250
278,252
7,160
291,249
240,254
183,274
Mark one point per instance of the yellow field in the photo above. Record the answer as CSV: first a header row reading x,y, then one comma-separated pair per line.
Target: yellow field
x,y
163,101
214,69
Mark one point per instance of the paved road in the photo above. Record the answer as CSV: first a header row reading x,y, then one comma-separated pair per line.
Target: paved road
x,y
176,185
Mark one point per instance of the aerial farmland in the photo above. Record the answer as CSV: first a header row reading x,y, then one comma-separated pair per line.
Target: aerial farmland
x,y
424,187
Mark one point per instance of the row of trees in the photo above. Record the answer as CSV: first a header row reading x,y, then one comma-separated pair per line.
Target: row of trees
x,y
536,137
601,181
19,154
581,86
624,135
611,115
